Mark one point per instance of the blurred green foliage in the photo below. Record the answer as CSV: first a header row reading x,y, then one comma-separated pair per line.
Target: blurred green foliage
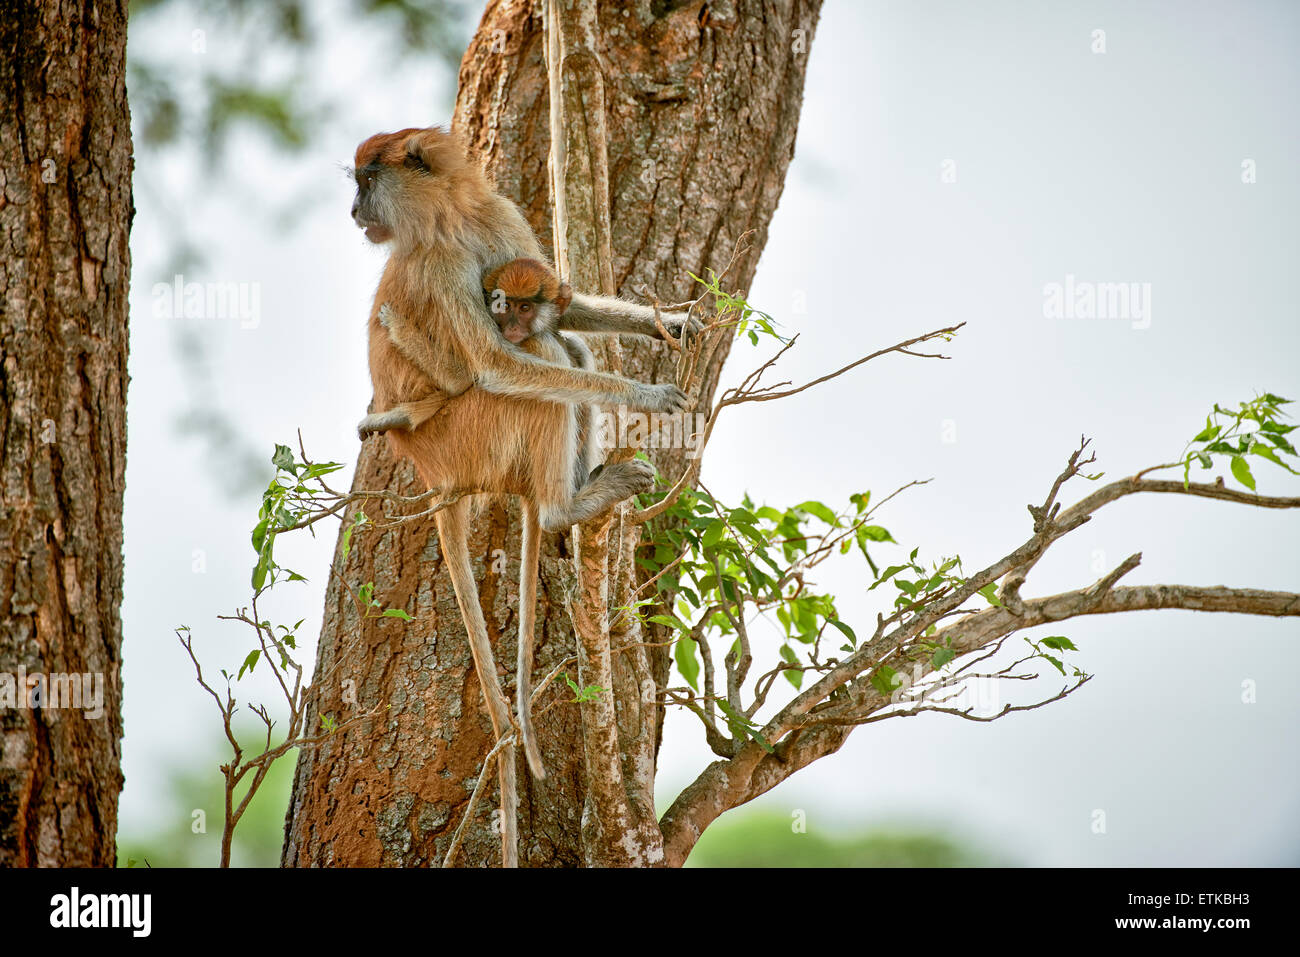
x,y
767,839
285,101
197,786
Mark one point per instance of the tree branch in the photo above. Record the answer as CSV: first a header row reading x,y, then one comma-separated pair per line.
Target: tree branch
x,y
811,726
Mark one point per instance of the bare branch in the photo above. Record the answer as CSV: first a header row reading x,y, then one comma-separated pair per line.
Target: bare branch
x,y
738,396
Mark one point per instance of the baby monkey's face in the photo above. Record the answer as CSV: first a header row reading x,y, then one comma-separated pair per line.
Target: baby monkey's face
x,y
525,298
519,318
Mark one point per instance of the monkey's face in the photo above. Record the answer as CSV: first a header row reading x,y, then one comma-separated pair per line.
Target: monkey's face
x,y
407,183
525,298
520,318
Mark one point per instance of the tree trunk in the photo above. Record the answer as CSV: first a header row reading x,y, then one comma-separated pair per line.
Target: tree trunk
x,y
65,212
702,104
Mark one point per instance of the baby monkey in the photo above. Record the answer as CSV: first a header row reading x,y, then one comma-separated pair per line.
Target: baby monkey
x,y
526,299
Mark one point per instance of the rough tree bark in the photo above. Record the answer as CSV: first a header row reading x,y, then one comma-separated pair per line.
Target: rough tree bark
x,y
702,105
65,212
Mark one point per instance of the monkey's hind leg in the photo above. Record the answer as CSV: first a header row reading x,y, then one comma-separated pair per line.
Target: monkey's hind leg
x,y
529,548
584,413
453,529
614,483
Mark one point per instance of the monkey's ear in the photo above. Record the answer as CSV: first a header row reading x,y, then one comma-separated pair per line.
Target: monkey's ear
x,y
415,158
434,151
563,298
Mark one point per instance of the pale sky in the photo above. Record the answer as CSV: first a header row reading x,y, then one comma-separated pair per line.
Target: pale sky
x,y
1115,167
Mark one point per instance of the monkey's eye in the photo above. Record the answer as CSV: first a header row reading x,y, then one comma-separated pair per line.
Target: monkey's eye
x,y
363,179
416,162
525,307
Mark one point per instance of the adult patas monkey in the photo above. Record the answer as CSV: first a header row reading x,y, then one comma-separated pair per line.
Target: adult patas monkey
x,y
417,190
526,300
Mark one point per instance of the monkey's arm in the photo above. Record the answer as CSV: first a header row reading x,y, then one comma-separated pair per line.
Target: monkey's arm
x,y
499,367
610,315
510,371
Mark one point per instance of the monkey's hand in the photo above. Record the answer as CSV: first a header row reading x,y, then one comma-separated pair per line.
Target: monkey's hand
x,y
661,397
681,323
383,421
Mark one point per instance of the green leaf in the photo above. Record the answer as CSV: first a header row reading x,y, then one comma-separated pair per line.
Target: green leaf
x,y
1242,472
672,621
844,629
1277,428
259,534
322,468
1208,433
397,613
942,657
1280,442
887,574
249,663
794,677
283,458
1059,643
885,680
713,534
989,594
818,510
742,726
687,663
1263,451
261,568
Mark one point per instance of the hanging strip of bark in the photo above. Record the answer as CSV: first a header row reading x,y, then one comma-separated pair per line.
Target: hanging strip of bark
x,y
580,180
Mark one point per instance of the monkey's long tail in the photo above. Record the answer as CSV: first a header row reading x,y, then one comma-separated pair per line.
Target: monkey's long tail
x,y
529,548
452,530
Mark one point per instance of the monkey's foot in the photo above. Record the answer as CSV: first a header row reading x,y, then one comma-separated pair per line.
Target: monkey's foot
x,y
632,477
614,483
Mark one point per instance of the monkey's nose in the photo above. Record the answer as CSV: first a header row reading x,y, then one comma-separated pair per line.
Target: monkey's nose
x,y
355,205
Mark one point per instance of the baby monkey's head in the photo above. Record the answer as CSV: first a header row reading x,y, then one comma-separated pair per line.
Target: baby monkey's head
x,y
526,298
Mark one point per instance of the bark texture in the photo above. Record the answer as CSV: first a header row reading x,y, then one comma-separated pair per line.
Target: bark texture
x,y
702,105
65,212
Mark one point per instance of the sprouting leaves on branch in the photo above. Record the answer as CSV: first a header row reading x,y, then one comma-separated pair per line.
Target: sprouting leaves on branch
x,y
1252,429
733,309
297,497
